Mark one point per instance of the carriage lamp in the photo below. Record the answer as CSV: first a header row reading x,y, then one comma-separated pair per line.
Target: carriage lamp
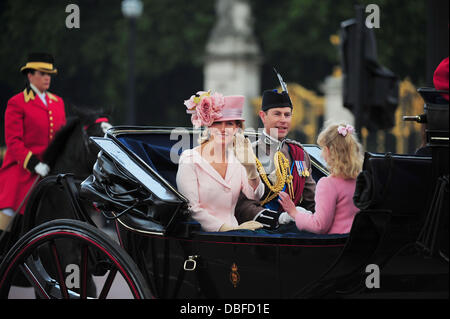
x,y
131,9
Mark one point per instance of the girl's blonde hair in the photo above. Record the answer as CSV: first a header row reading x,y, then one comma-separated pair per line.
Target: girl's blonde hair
x,y
346,155
205,136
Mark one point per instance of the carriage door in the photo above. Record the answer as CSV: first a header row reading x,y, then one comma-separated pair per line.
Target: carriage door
x,y
236,267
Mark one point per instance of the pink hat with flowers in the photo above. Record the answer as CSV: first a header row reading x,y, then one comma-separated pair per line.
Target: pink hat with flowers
x,y
207,108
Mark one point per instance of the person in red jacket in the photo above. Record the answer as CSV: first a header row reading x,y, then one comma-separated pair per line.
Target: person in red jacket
x,y
440,77
32,118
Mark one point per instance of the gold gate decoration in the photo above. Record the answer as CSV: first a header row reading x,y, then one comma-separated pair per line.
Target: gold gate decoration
x,y
309,107
408,134
410,103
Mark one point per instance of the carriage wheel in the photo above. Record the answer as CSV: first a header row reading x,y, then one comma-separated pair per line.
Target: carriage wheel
x,y
99,258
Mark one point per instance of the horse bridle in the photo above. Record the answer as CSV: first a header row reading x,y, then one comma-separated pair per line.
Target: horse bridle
x,y
86,139
99,120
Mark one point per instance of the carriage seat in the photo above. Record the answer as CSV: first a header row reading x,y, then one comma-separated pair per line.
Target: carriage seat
x,y
156,149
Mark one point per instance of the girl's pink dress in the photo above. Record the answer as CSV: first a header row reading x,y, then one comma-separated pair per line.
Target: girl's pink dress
x,y
335,210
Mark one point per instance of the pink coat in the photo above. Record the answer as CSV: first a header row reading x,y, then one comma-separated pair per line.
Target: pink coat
x,y
334,207
213,199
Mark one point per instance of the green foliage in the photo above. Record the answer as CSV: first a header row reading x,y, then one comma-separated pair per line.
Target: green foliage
x,y
170,43
294,36
93,60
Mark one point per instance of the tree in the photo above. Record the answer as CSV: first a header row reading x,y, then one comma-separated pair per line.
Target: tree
x,y
92,60
171,38
294,36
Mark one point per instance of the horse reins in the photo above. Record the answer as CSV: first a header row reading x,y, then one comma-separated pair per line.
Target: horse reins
x,y
86,139
99,120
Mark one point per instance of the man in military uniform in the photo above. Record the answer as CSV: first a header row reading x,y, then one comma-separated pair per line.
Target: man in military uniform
x,y
32,118
282,163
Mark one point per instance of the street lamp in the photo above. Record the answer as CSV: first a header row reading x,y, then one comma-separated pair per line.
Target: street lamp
x,y
131,9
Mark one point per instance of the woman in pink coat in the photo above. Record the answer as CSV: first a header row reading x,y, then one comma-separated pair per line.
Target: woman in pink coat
x,y
212,175
335,210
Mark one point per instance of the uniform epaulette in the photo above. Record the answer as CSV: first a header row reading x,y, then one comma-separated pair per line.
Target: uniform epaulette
x,y
52,97
28,94
293,142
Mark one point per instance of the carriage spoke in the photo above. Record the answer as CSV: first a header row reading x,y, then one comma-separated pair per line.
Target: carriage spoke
x,y
40,259
84,274
108,283
61,280
34,281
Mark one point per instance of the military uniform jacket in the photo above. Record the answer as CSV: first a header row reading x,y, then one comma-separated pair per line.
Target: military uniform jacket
x,y
30,126
291,149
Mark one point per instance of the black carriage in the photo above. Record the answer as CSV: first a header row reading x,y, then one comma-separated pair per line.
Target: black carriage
x,y
397,247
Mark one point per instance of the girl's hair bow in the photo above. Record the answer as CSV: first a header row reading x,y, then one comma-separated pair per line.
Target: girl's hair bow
x,y
344,130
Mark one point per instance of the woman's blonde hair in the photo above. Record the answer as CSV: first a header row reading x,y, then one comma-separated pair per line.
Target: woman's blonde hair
x,y
205,136
346,155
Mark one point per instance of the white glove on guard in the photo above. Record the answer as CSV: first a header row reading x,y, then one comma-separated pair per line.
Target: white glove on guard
x,y
42,169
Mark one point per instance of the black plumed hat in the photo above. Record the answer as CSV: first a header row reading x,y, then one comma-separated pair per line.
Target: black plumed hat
x,y
273,99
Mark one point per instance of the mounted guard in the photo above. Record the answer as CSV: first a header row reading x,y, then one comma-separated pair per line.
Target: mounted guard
x,y
32,118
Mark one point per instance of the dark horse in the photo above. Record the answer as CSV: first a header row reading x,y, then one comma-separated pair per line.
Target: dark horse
x,y
71,152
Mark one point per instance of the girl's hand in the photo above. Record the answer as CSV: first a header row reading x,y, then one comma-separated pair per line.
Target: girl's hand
x,y
287,204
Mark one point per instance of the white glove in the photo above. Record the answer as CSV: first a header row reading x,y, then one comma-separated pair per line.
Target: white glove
x,y
303,210
42,169
226,227
244,153
285,218
251,225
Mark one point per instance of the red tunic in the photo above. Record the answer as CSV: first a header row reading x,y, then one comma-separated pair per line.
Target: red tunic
x,y
440,77
30,126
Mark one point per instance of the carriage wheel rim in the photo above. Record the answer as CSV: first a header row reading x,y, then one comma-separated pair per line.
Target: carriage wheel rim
x,y
48,235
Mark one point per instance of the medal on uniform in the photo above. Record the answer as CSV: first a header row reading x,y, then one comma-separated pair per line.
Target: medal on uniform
x,y
299,166
301,169
305,170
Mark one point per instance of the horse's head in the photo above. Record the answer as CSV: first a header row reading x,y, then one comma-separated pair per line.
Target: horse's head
x,y
72,151
93,122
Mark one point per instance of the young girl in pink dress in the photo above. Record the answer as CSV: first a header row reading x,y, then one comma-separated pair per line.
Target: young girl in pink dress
x,y
212,175
334,194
